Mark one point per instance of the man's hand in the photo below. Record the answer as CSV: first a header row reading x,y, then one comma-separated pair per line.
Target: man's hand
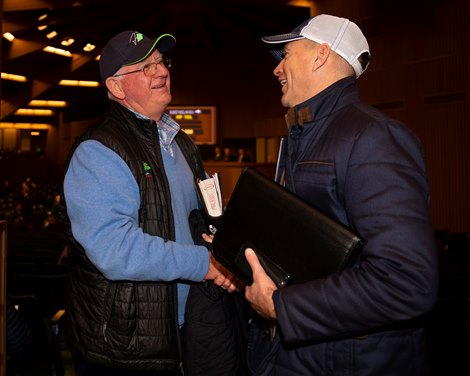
x,y
260,293
220,275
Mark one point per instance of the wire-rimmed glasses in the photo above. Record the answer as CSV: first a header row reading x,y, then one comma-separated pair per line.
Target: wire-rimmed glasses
x,y
149,69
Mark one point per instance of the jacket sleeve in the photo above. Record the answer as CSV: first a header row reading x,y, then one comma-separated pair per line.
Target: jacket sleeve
x,y
102,202
396,279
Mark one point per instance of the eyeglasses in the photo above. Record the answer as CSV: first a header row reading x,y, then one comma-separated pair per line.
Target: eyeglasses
x,y
149,69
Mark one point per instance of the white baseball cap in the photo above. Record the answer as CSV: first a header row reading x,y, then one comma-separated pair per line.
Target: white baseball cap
x,y
344,37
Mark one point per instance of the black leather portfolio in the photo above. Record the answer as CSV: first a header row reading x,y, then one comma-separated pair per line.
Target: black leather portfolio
x,y
294,241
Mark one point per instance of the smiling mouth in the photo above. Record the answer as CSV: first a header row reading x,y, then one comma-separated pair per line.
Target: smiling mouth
x,y
283,82
159,86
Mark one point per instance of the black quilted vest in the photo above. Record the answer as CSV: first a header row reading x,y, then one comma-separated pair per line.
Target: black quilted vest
x,y
127,324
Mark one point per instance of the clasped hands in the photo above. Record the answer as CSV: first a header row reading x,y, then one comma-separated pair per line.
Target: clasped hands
x,y
259,294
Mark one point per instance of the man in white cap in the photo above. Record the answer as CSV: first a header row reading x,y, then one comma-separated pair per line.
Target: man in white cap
x,y
367,171
129,192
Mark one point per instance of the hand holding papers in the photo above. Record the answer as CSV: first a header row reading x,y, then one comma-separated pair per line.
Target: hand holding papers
x,y
211,197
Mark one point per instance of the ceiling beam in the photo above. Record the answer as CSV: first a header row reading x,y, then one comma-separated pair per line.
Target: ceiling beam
x,y
21,47
39,86
21,5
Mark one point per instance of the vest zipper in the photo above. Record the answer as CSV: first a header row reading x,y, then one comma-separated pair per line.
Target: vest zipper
x,y
105,325
110,296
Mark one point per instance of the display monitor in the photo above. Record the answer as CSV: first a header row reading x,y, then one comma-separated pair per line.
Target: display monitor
x,y
199,122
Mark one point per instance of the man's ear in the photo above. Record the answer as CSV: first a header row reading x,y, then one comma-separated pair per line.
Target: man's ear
x,y
114,87
322,52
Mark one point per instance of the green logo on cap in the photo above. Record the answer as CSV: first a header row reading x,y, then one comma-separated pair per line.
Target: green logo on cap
x,y
136,37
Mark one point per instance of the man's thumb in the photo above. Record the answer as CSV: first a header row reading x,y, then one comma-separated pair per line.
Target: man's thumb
x,y
253,261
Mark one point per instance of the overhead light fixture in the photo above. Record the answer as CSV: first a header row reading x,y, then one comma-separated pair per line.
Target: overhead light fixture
x,y
40,18
300,3
67,41
89,47
8,36
305,4
13,77
51,35
33,112
79,83
57,51
42,27
47,103
25,125
34,133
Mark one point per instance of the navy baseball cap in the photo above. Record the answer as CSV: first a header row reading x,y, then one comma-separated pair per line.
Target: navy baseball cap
x,y
130,47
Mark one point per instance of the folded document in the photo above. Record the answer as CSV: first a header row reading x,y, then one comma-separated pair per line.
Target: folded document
x,y
211,197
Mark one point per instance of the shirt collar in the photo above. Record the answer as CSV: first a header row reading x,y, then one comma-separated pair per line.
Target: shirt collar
x,y
167,130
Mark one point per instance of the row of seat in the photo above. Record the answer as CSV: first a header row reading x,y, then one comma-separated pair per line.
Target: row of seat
x,y
36,284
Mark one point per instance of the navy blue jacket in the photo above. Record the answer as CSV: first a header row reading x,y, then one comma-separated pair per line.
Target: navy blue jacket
x,y
369,172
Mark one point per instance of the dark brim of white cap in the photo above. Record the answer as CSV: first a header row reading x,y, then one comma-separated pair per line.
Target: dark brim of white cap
x,y
282,38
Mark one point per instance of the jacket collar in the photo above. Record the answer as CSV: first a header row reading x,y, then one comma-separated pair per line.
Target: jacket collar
x,y
324,103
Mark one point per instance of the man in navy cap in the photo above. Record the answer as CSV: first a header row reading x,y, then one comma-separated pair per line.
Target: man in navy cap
x,y
128,192
367,171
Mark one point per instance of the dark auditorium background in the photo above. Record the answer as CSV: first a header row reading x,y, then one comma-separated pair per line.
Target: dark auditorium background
x,y
419,74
